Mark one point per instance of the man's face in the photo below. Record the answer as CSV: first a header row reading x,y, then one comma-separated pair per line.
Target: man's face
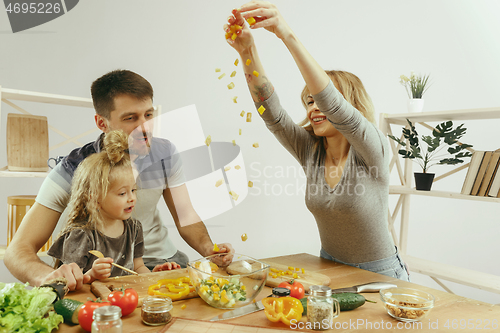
x,y
135,117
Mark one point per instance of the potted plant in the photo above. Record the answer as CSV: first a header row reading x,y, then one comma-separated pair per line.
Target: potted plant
x,y
416,86
444,135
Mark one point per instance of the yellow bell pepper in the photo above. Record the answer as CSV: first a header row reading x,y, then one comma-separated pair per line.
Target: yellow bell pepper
x,y
177,288
282,309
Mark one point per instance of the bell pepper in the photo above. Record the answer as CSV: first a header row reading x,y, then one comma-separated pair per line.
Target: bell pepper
x,y
177,288
282,309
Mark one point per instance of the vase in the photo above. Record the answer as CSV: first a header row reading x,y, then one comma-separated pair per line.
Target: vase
x,y
423,181
415,105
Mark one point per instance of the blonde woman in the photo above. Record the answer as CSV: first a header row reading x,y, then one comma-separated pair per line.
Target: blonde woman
x,y
344,155
102,199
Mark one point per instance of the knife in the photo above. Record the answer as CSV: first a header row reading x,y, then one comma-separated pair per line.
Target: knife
x,y
257,306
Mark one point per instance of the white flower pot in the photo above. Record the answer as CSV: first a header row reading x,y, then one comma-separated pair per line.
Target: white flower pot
x,y
415,105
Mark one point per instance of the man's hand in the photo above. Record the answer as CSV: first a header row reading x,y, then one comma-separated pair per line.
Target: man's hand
x,y
224,260
166,267
73,275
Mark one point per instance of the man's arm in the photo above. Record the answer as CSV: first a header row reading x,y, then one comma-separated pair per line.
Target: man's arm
x,y
189,224
21,255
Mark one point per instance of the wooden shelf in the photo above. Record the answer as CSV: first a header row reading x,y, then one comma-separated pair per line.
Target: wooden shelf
x,y
484,281
22,95
467,114
6,173
395,189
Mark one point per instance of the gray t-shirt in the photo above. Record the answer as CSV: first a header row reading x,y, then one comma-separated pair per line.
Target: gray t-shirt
x,y
74,247
352,216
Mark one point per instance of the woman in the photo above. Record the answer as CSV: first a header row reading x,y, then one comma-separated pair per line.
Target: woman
x,y
344,155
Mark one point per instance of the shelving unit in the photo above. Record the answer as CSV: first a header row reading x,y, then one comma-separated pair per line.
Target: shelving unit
x,y
436,271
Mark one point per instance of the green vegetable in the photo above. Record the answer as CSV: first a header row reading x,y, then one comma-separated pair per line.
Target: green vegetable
x,y
347,301
27,310
68,308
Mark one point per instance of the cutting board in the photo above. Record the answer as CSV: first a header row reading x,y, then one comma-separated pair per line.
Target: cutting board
x,y
141,282
307,278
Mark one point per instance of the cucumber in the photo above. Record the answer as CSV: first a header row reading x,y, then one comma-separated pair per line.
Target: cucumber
x,y
68,308
347,301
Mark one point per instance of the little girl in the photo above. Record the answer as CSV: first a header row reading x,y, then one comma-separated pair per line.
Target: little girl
x,y
102,199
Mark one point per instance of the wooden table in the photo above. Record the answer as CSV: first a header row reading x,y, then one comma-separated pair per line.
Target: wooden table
x,y
449,309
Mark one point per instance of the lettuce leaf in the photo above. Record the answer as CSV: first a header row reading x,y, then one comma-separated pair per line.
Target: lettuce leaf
x,y
27,310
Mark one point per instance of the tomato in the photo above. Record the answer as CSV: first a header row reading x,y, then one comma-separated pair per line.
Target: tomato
x,y
125,299
87,310
296,288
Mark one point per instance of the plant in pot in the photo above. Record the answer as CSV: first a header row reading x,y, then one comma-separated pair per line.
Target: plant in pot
x,y
444,135
416,86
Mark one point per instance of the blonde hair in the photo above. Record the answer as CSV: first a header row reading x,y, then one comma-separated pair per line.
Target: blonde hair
x,y
353,90
92,179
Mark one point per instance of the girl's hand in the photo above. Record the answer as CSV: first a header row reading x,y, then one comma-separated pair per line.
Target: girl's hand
x,y
166,267
101,268
267,16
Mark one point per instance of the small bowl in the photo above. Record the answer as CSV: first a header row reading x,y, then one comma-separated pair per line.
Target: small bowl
x,y
407,304
228,281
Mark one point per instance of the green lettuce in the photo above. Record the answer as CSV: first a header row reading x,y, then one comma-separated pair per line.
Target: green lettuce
x,y
27,310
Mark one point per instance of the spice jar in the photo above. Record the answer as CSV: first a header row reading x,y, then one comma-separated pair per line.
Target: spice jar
x,y
156,310
322,308
107,319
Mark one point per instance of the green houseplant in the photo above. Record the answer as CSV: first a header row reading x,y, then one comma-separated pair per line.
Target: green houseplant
x,y
444,135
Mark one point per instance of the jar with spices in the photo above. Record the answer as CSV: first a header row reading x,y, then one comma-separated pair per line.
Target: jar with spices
x,y
107,319
156,310
322,308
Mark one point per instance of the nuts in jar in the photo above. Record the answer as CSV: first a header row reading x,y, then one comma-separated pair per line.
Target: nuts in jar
x,y
156,310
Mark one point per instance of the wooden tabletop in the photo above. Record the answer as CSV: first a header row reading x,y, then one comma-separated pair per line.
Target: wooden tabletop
x,y
451,312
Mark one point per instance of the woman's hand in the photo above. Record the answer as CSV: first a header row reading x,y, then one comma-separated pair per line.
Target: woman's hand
x,y
166,266
101,268
245,39
267,16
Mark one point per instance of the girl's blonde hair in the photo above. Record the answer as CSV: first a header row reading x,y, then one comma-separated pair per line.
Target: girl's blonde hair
x,y
353,90
92,179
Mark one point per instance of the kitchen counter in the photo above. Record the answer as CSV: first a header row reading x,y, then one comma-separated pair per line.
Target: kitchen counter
x,y
447,314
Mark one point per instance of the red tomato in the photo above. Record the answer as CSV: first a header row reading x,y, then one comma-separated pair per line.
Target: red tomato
x,y
125,299
296,288
87,310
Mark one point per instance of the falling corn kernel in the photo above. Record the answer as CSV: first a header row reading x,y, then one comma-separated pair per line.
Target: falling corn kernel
x,y
261,109
256,145
237,167
242,113
233,74
251,21
250,183
234,143
227,168
240,131
236,62
235,99
217,70
208,140
234,195
219,182
183,306
221,76
303,271
230,86
255,73
249,117
234,36
216,248
244,237
248,62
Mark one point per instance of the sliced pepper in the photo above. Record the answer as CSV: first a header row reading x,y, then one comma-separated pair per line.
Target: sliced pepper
x,y
177,288
282,309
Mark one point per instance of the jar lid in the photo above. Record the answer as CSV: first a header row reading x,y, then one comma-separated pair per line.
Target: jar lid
x,y
320,291
157,304
111,312
280,292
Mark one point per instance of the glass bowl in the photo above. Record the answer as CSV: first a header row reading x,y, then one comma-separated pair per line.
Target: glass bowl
x,y
228,281
407,304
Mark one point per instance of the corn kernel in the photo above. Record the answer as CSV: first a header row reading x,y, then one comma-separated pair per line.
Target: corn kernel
x,y
228,34
248,62
217,70
294,275
233,74
244,237
297,269
230,86
227,168
255,145
215,288
303,271
234,195
208,140
235,99
237,167
216,297
242,113
236,62
261,109
249,117
234,36
250,183
234,143
219,182
183,306
274,270
243,287
251,21
216,248
221,76
240,131
255,73
291,268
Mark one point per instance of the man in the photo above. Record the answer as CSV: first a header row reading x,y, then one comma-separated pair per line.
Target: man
x,y
122,100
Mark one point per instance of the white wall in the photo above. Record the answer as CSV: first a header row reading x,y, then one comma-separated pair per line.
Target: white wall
x,y
177,45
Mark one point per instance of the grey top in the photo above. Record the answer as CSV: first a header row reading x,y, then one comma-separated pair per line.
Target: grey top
x,y
75,245
352,216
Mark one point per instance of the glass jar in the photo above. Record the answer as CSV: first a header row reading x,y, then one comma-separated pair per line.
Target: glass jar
x,y
155,310
322,308
107,319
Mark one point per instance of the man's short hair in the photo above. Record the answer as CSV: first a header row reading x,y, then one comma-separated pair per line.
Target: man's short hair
x,y
116,83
